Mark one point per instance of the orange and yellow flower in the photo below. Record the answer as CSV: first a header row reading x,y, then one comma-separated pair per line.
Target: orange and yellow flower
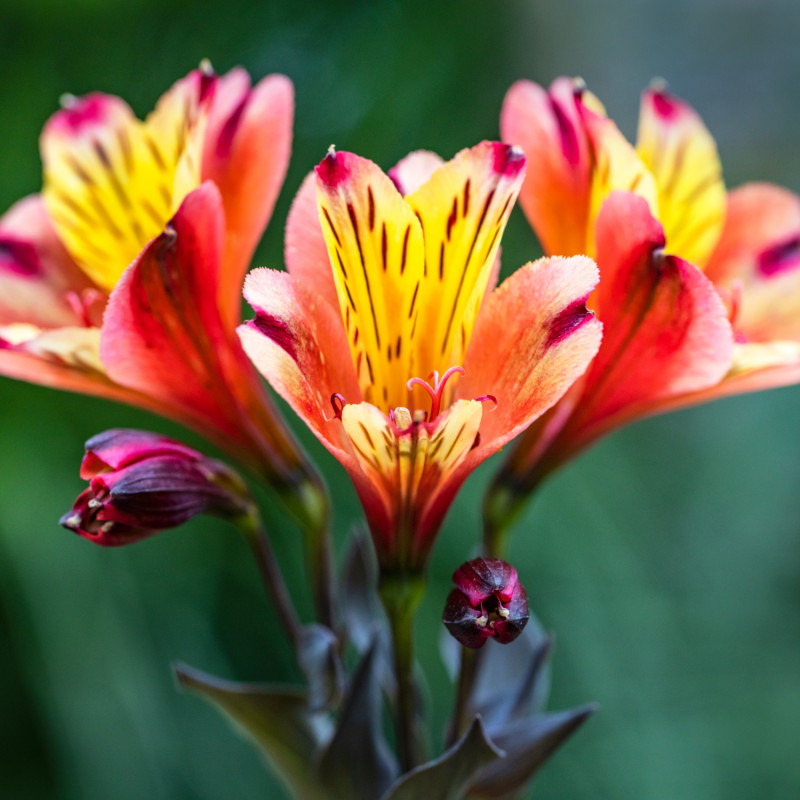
x,y
747,241
122,278
715,318
387,340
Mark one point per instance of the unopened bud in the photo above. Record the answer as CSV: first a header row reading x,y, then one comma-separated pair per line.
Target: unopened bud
x,y
141,483
488,602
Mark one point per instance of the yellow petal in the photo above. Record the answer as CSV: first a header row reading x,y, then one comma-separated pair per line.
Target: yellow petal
x,y
463,210
375,245
680,152
78,348
111,182
616,165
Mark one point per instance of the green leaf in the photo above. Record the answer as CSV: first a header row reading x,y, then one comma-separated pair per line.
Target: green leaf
x,y
277,719
358,764
363,612
528,743
512,679
446,777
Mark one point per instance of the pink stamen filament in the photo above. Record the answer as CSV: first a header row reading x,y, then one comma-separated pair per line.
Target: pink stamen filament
x,y
437,389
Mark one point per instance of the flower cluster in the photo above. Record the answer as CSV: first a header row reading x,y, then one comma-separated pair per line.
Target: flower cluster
x,y
389,336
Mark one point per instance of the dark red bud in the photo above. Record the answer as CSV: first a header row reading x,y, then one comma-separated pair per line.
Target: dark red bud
x,y
142,483
488,602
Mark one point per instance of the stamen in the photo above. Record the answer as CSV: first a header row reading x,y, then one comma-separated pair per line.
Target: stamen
x,y
485,397
338,403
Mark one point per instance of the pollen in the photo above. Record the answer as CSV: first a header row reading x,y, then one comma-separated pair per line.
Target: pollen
x,y
402,418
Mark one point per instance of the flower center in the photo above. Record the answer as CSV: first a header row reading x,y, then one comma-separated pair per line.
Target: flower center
x,y
492,611
402,418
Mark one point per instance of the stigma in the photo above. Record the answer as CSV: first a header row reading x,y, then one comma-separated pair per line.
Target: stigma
x,y
437,389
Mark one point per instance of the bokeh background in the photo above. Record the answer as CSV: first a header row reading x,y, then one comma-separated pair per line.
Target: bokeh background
x,y
667,559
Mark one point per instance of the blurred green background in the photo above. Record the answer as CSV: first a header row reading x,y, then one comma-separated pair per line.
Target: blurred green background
x,y
667,560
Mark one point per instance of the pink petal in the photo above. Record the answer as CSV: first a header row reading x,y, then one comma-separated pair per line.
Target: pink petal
x,y
163,335
756,264
246,154
297,342
37,275
666,331
532,340
306,253
549,128
414,170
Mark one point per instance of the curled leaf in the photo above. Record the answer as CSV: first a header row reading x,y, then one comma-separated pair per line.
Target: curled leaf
x,y
278,721
357,762
446,777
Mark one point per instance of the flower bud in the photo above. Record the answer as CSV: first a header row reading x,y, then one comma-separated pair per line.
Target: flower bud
x,y
488,601
141,483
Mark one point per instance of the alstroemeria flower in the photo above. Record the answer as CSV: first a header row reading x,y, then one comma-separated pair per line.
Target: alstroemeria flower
x,y
673,335
383,342
141,483
747,241
205,166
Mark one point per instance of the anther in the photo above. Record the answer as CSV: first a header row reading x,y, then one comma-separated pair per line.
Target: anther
x,y
401,417
489,397
338,403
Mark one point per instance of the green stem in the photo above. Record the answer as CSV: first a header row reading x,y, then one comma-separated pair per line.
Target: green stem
x,y
310,504
401,594
271,574
501,506
318,555
468,670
